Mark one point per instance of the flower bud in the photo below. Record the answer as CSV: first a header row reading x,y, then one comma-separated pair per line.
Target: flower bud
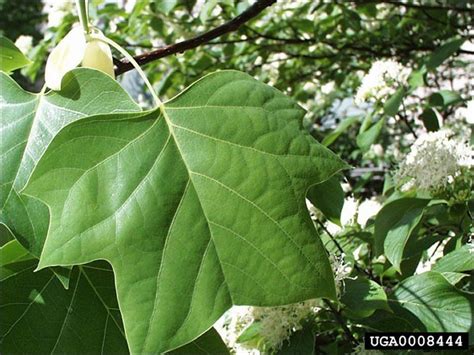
x,y
66,56
99,56
74,50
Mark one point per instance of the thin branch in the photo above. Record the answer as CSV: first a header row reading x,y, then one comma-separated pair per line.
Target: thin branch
x,y
341,321
179,47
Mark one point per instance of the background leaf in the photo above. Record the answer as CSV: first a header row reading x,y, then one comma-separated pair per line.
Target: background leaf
x,y
40,317
393,103
444,52
11,58
328,197
369,137
300,343
390,215
208,343
440,306
362,297
398,234
461,259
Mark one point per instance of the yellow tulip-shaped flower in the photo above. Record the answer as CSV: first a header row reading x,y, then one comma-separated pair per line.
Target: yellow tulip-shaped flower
x,y
73,50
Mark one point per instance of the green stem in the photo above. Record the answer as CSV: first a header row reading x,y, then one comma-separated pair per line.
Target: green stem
x,y
133,62
82,9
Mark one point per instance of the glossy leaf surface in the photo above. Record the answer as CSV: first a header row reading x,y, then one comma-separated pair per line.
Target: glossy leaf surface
x,y
28,123
197,205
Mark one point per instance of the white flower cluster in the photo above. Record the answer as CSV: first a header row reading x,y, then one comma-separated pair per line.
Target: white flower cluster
x,y
232,324
341,271
24,43
276,324
381,81
435,160
353,212
57,10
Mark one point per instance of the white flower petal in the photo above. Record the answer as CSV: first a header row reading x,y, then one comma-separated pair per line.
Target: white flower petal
x,y
66,56
98,56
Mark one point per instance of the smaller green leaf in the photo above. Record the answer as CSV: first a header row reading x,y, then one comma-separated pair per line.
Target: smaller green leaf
x,y
5,234
40,317
461,259
444,52
398,234
207,9
444,98
343,126
417,78
11,58
390,215
454,277
383,321
430,119
439,305
300,343
369,137
166,6
208,343
251,333
392,105
328,197
362,297
13,252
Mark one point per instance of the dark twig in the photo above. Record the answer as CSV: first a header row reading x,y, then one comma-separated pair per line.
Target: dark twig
x,y
341,321
180,47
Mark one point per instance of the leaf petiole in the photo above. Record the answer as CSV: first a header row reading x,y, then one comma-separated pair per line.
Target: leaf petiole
x,y
82,9
132,61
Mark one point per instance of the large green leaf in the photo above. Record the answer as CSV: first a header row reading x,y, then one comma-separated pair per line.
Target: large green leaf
x,y
440,306
197,205
11,58
40,317
28,122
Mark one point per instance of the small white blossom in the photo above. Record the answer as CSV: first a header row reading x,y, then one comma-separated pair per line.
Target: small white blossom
x,y
367,209
466,113
57,10
434,160
377,150
348,216
232,324
328,87
130,5
381,81
24,43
